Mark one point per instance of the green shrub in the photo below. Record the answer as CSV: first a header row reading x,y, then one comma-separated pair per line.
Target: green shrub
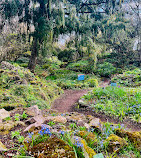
x,y
82,65
67,55
106,69
92,82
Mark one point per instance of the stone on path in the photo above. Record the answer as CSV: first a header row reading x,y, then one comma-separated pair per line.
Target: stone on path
x,y
33,111
4,114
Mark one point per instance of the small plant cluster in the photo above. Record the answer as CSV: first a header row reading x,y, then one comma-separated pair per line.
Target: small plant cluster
x,y
118,101
18,116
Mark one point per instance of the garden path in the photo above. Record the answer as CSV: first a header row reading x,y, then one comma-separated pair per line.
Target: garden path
x,y
70,97
67,103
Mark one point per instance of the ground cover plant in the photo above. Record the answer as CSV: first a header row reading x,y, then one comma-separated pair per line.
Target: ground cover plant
x,y
130,78
117,101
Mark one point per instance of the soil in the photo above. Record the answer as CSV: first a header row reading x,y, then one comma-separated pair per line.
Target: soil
x,y
67,100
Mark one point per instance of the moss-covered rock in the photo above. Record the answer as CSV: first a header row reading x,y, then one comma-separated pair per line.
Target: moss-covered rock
x,y
52,147
115,143
89,150
134,137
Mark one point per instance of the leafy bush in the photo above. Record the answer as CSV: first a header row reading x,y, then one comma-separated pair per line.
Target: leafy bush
x,y
82,65
106,69
67,55
92,82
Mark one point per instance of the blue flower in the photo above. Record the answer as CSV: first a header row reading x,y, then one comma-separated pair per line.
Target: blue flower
x,y
30,134
62,132
41,132
21,146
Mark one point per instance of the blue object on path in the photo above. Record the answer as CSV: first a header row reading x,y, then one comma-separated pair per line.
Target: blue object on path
x,y
114,84
81,77
98,156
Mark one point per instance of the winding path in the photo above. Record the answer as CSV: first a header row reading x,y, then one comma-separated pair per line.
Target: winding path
x,y
67,103
67,100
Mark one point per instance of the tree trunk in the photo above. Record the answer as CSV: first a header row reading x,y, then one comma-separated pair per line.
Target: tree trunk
x,y
33,58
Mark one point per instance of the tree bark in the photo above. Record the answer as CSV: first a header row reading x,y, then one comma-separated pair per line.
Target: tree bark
x,y
33,58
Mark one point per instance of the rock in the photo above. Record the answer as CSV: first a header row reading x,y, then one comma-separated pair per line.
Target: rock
x,y
96,123
87,126
88,136
80,123
52,147
2,147
86,149
6,65
82,103
60,119
4,114
75,117
90,117
33,126
8,126
30,121
115,143
33,111
19,123
134,137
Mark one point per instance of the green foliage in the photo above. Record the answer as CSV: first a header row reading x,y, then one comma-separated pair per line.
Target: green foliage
x,y
117,101
67,79
92,82
106,69
15,134
17,117
67,55
82,66
51,123
129,78
31,90
24,115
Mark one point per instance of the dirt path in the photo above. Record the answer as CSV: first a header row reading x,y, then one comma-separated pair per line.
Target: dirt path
x,y
67,100
67,103
70,97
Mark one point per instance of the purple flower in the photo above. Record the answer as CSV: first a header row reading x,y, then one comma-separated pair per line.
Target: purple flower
x,y
30,134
